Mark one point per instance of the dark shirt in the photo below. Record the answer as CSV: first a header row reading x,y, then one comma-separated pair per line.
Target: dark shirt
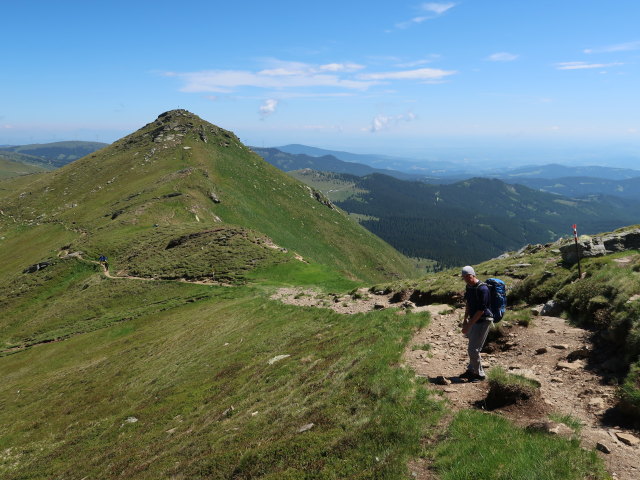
x,y
478,298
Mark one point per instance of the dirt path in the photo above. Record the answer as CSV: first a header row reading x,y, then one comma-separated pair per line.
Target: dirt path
x,y
104,266
541,351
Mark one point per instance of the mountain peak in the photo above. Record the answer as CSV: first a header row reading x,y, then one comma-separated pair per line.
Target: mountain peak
x,y
178,114
171,127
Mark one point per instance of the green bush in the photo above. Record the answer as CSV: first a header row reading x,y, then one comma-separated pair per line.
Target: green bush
x,y
521,317
630,394
540,287
498,375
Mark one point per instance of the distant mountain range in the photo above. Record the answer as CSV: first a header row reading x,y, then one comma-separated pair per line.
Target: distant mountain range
x,y
585,186
288,161
50,155
468,221
570,181
554,170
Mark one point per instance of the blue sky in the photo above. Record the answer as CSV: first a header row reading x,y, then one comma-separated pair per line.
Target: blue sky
x,y
403,77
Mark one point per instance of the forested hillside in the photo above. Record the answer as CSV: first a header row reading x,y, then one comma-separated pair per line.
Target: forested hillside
x,y
469,221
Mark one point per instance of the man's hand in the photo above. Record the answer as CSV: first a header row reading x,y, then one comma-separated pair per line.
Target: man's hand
x,y
465,327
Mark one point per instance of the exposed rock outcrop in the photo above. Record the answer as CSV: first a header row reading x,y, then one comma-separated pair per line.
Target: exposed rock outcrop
x,y
598,246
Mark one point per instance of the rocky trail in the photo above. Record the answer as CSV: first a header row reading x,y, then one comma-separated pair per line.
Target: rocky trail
x,y
549,351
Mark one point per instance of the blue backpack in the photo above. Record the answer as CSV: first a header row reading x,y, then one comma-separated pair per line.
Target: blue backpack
x,y
498,296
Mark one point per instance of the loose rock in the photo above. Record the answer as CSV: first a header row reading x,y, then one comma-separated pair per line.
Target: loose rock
x,y
306,427
628,439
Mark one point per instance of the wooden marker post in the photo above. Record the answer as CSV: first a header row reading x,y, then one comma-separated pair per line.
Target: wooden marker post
x,y
575,239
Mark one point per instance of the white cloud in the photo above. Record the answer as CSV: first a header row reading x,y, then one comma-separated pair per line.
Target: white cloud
x,y
341,67
584,65
287,78
424,74
384,122
620,47
6,126
437,8
433,9
313,94
268,107
418,63
282,72
225,81
502,57
409,23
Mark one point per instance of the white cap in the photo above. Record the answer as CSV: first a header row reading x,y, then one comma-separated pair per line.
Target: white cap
x,y
468,270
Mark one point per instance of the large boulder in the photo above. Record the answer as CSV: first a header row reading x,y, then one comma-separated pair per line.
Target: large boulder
x,y
598,246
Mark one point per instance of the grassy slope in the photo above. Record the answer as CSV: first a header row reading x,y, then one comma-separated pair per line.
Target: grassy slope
x,y
65,405
9,168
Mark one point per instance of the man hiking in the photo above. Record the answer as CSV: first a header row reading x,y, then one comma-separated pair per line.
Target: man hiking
x,y
477,322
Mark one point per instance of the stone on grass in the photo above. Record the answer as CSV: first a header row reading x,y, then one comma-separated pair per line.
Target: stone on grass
x,y
306,427
552,428
277,358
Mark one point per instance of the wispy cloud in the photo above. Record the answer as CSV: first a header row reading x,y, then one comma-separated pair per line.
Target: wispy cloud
x,y
268,107
418,63
384,122
421,74
431,10
296,78
584,65
502,57
225,81
437,8
620,47
341,67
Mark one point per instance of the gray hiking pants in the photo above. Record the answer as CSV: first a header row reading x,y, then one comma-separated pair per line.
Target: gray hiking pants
x,y
477,336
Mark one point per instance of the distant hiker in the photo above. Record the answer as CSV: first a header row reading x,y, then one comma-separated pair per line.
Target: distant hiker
x,y
477,322
103,261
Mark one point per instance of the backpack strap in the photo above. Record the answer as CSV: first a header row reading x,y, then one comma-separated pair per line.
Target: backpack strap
x,y
477,288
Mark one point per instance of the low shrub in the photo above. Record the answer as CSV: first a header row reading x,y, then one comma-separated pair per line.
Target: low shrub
x,y
507,389
630,394
521,317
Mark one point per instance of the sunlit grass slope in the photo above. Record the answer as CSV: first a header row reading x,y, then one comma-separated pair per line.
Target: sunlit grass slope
x,y
9,168
197,391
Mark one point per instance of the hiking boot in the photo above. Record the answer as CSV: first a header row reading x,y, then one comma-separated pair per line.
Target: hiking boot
x,y
472,377
475,378
466,375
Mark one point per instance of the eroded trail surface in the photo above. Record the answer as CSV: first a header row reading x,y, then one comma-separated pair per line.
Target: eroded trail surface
x,y
549,350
